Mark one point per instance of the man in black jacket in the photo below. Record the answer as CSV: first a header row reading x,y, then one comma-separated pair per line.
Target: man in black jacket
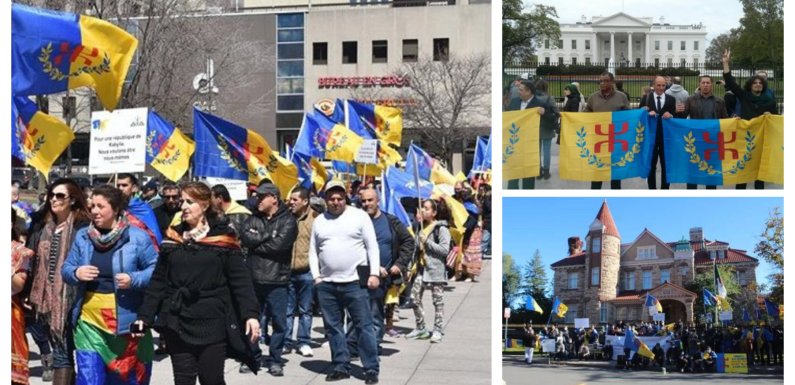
x,y
269,234
396,248
663,106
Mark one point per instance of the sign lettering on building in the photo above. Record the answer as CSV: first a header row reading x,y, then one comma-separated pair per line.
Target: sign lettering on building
x,y
363,81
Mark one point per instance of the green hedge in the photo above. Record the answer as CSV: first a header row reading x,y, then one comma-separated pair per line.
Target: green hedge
x,y
547,70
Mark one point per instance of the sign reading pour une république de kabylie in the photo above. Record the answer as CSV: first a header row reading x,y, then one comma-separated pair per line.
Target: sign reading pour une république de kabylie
x,y
118,141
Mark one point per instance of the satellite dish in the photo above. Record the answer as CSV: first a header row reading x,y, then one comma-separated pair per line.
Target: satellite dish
x,y
200,83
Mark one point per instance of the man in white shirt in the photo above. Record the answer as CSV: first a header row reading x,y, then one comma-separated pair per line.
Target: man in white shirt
x,y
343,238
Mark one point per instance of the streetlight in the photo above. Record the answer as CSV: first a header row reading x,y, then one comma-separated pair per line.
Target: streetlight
x,y
204,83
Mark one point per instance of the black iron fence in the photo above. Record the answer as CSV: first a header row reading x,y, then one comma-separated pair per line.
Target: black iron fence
x,y
635,76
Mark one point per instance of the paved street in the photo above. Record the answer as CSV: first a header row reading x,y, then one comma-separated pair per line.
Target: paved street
x,y
554,182
463,357
515,372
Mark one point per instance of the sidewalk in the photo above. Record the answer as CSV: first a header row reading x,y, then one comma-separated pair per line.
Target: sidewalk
x,y
464,356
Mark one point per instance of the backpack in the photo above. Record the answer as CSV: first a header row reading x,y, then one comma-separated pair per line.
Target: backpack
x,y
452,255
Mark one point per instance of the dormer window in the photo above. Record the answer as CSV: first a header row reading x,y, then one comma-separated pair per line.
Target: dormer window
x,y
647,252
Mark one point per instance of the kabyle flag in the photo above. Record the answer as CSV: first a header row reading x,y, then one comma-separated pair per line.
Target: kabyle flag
x,y
520,152
601,146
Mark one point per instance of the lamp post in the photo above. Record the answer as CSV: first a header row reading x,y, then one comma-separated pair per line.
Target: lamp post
x,y
204,83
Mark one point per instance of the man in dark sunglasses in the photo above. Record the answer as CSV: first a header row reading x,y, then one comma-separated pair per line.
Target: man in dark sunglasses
x,y
172,203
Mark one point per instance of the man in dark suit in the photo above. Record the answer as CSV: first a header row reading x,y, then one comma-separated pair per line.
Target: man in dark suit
x,y
527,99
659,104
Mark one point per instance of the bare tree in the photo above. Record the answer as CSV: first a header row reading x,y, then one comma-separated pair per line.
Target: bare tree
x,y
452,101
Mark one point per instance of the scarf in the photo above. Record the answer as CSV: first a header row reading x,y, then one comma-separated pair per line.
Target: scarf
x,y
105,242
181,234
53,301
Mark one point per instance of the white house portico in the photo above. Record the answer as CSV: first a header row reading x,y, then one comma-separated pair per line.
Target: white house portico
x,y
626,41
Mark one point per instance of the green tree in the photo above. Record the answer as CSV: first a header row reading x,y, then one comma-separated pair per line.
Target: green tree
x,y
706,279
771,248
511,279
760,37
522,31
718,45
535,284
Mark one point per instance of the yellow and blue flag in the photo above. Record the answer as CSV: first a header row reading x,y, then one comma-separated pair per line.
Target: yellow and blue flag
x,y
390,203
771,168
168,150
37,139
334,110
601,146
417,158
643,349
709,298
403,184
532,305
385,122
520,152
479,161
343,167
487,156
720,288
322,138
56,51
311,173
440,175
226,150
771,308
559,308
653,304
715,152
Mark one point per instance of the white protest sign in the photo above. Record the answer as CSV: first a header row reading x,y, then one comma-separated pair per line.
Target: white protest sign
x,y
118,141
618,343
506,313
237,188
726,315
659,317
368,152
581,323
548,345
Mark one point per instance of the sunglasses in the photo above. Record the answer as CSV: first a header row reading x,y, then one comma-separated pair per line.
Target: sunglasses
x,y
171,197
58,196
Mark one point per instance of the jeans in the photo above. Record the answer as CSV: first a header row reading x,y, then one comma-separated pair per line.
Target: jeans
x,y
526,184
40,335
300,288
485,243
191,361
274,304
378,313
544,147
335,299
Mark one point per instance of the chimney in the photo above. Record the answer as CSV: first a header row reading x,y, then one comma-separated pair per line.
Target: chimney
x,y
696,234
575,246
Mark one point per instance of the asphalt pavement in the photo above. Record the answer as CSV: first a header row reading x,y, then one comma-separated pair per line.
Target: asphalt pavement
x,y
463,356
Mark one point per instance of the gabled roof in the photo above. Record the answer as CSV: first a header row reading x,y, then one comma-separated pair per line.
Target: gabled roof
x,y
606,218
642,233
701,256
635,20
572,260
630,296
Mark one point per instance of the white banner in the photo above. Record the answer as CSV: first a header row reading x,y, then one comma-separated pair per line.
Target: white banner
x,y
581,323
659,317
118,141
368,152
548,345
726,315
237,188
618,343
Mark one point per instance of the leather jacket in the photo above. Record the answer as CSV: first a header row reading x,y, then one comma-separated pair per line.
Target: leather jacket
x,y
270,245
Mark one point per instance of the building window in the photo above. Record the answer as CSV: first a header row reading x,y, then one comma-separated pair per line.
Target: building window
x,y
290,20
573,44
560,61
656,45
629,280
647,252
290,68
665,275
290,102
573,280
596,245
587,61
684,271
290,64
587,44
594,276
349,52
646,279
670,62
574,61
682,45
571,314
712,254
410,50
695,45
546,60
290,86
695,63
546,43
682,63
670,45
380,51
441,49
319,53
291,51
656,62
290,35
560,43
603,313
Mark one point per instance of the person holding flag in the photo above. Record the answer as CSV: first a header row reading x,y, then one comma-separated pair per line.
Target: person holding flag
x,y
529,337
653,304
558,308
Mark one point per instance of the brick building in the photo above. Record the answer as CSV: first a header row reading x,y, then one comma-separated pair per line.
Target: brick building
x,y
605,280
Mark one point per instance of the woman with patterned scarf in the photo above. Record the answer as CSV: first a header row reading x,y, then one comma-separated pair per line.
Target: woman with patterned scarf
x,y
110,264
64,213
200,287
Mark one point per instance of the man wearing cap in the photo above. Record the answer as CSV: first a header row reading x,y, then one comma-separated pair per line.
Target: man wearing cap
x,y
222,202
268,235
343,238
150,195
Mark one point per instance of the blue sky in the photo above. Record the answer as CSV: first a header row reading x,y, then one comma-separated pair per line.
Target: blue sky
x,y
546,223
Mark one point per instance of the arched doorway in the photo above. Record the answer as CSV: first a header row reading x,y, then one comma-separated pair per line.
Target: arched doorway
x,y
674,310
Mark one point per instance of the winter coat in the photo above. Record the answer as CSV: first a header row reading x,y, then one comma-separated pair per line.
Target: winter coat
x,y
437,246
133,254
678,92
270,246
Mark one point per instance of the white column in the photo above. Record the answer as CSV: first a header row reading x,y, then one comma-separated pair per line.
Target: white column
x,y
594,49
613,47
629,50
647,59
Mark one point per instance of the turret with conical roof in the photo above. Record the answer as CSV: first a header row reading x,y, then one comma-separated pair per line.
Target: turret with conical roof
x,y
603,261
